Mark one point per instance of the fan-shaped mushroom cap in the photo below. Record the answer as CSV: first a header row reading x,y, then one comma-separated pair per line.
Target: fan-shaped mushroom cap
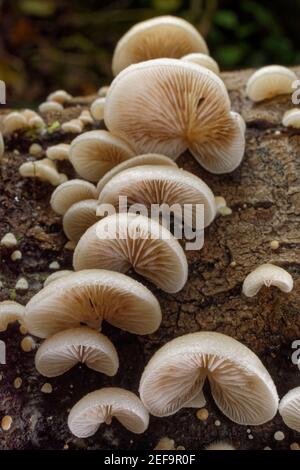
x,y
57,275
61,352
59,96
12,122
86,117
121,241
240,385
267,275
102,405
150,184
44,169
94,153
165,36
79,217
97,108
270,81
291,118
58,152
202,59
89,297
147,159
66,194
10,312
50,107
1,146
168,106
289,408
74,126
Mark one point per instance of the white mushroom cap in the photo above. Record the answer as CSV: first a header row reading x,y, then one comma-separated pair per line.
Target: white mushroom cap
x,y
89,297
291,118
86,117
102,405
270,81
65,349
50,107
147,159
97,109
202,59
267,275
164,36
154,184
58,152
57,275
79,217
94,153
44,169
1,146
289,408
12,122
240,385
168,106
121,241
66,194
10,312
59,96
75,126
29,114
36,122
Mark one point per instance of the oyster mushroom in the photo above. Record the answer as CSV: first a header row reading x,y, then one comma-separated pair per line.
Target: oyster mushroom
x,y
289,409
10,312
97,109
65,349
59,96
165,36
44,169
240,385
267,275
154,184
87,298
86,117
204,60
147,159
270,81
121,241
58,152
57,275
168,106
70,192
94,153
50,107
79,217
291,118
74,126
101,406
13,122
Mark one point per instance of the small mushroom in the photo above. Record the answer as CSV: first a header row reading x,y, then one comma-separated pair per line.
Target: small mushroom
x,y
36,122
102,92
94,153
86,117
289,408
164,36
86,298
168,106
58,152
13,122
75,126
44,169
57,275
10,312
270,81
50,107
150,184
240,385
70,192
121,241
2,148
147,159
79,217
65,349
220,445
267,275
59,96
9,240
291,118
204,60
101,406
97,109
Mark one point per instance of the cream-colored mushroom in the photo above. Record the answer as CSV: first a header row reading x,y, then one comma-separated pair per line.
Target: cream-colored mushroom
x,y
97,109
57,275
164,36
94,153
2,148
86,298
121,241
291,118
270,81
59,96
37,122
50,107
267,275
75,126
240,385
102,92
101,406
13,122
70,192
79,217
86,117
154,184
65,349
220,445
168,106
202,59
10,312
147,159
289,408
44,169
58,152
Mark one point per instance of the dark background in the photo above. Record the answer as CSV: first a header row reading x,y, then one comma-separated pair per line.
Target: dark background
x,y
50,44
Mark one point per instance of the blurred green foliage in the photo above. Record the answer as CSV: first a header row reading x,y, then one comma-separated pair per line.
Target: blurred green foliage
x,y
50,44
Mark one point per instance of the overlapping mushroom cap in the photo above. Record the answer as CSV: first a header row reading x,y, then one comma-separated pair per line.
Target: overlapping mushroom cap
x,y
149,184
69,193
289,408
89,297
168,106
10,311
240,385
102,405
165,36
79,217
121,241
